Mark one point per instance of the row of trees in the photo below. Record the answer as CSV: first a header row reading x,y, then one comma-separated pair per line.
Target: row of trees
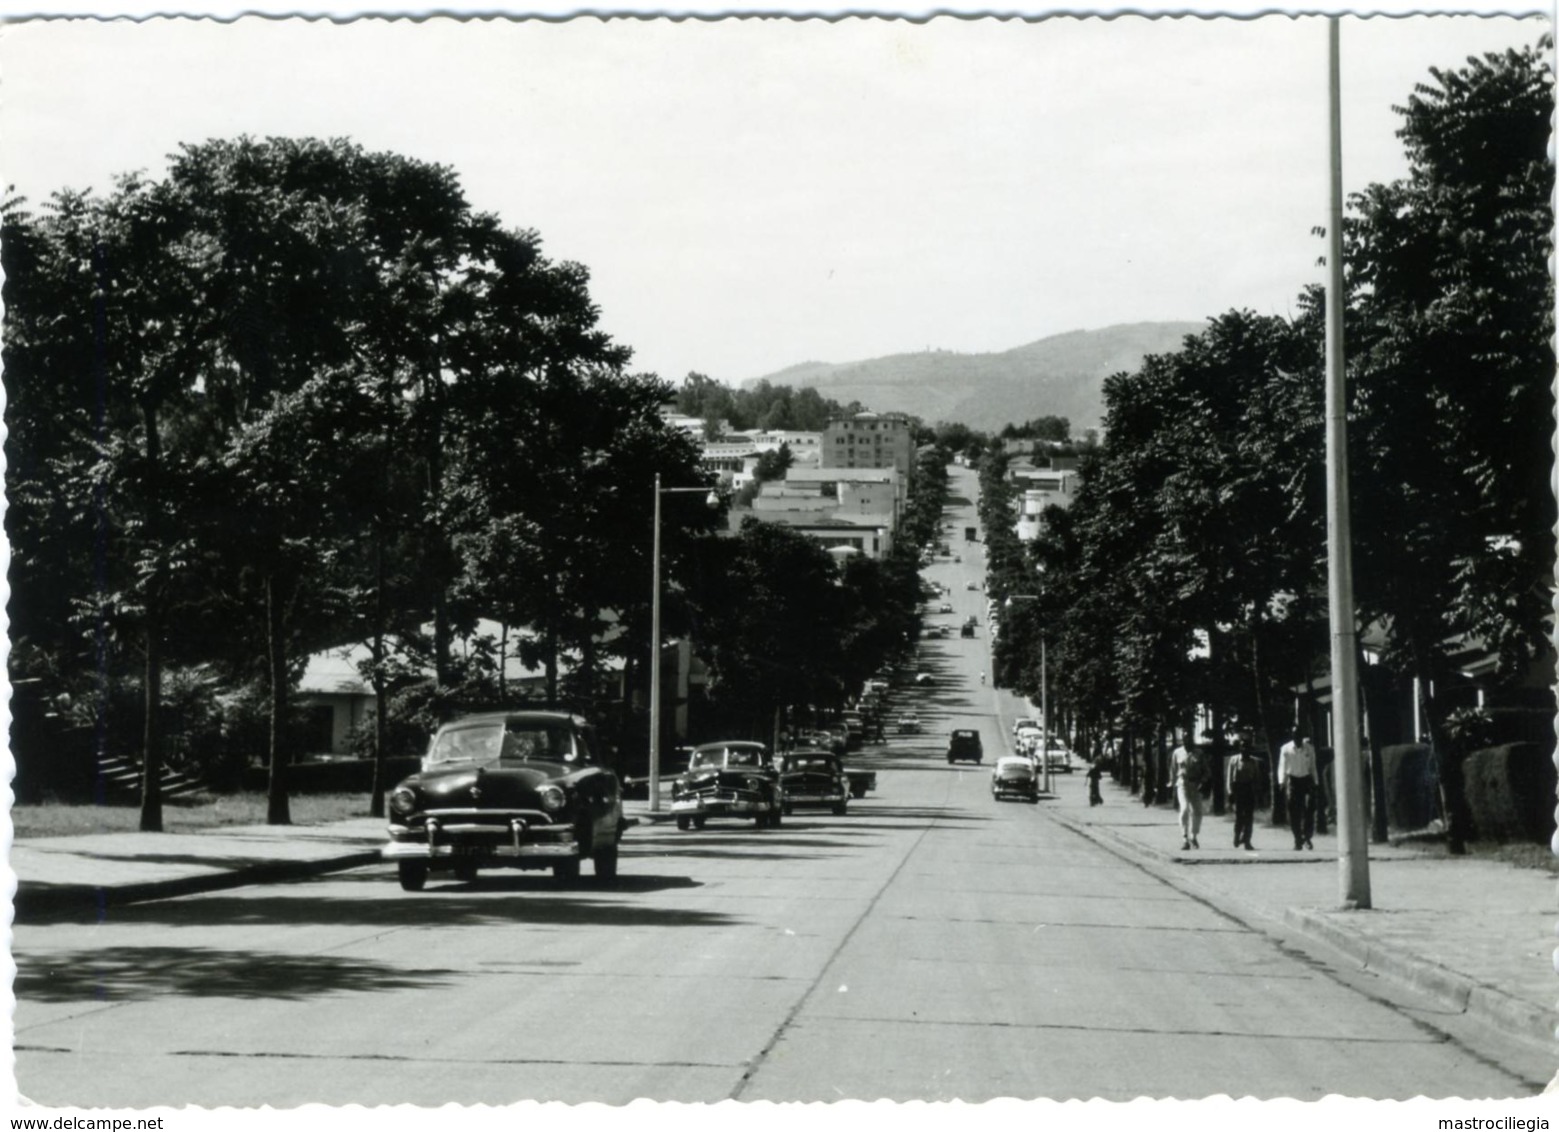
x,y
295,394
762,405
1191,568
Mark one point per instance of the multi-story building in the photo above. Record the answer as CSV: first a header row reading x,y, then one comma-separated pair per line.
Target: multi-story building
x,y
870,440
1042,487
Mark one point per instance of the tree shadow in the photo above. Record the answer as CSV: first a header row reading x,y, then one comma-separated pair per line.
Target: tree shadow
x,y
124,974
494,899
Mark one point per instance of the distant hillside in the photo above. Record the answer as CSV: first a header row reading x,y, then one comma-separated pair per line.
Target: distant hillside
x,y
1058,376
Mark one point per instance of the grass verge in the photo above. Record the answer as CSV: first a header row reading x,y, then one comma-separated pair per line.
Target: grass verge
x,y
183,815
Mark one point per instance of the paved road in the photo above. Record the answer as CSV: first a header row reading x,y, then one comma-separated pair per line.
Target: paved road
x,y
933,945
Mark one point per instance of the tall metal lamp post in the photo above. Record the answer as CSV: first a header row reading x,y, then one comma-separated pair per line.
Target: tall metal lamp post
x,y
712,498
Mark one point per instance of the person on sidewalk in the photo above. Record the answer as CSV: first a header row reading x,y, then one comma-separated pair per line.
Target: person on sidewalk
x,y
1244,774
1189,769
1296,771
1094,797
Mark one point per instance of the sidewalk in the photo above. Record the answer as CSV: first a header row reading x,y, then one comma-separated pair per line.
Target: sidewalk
x,y
1478,935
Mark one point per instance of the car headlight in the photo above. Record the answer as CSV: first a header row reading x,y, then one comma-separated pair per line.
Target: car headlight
x,y
403,800
755,784
552,798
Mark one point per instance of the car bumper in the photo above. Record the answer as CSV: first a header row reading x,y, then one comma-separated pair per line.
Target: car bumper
x,y
720,807
815,797
517,842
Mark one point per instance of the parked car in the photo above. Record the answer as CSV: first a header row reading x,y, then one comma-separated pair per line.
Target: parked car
x,y
1014,775
945,607
729,778
1025,730
971,585
964,745
507,789
813,778
1058,758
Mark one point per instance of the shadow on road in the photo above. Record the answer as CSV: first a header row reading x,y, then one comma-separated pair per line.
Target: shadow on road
x,y
495,898
123,974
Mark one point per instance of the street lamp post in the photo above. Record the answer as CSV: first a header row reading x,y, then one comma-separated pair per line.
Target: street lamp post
x,y
713,500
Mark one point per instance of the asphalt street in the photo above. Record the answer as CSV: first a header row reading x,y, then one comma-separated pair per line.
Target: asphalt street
x,y
933,944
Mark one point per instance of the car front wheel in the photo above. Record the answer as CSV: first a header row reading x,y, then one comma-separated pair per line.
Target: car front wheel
x,y
566,872
413,875
684,822
606,865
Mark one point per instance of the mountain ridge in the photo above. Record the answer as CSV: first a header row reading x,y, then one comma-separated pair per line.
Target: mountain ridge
x,y
1059,375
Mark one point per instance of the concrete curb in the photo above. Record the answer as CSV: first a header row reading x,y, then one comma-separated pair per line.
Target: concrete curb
x,y
1455,991
33,900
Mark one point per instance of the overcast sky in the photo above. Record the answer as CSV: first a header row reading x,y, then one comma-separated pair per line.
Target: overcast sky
x,y
752,194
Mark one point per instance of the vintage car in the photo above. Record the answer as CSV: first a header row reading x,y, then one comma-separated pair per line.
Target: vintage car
x,y
909,724
964,744
517,789
813,778
729,778
1058,758
1014,776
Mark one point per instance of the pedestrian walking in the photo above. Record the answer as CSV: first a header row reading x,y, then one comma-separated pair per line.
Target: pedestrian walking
x,y
1296,771
1244,774
1094,797
1190,771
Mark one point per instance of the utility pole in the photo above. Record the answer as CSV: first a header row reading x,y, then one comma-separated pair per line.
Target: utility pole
x,y
1352,844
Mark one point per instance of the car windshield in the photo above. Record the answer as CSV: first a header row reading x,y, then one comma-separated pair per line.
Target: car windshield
x,y
492,742
809,764
726,756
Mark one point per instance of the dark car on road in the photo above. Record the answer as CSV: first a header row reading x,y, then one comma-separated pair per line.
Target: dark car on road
x,y
507,789
813,778
730,778
964,745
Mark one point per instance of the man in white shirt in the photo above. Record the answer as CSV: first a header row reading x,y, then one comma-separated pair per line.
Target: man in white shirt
x,y
1189,771
1296,771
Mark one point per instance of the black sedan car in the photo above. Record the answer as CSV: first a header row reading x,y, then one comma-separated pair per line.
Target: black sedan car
x,y
730,778
813,778
512,789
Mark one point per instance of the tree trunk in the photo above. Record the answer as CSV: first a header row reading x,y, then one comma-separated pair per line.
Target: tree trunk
x,y
381,709
1447,762
276,809
151,741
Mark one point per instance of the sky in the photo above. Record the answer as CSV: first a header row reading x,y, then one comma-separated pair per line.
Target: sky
x,y
751,194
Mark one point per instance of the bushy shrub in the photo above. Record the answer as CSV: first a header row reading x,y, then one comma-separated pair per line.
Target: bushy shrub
x,y
1510,791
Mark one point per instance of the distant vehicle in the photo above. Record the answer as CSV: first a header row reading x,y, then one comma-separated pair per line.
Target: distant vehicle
x,y
971,534
972,585
813,778
967,630
730,778
1012,776
922,677
1058,759
909,724
819,778
945,607
519,790
1025,723
964,745
958,558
